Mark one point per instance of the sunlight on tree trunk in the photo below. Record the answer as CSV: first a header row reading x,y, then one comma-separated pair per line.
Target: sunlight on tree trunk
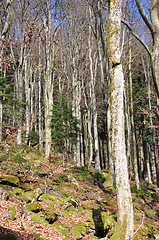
x,y
124,228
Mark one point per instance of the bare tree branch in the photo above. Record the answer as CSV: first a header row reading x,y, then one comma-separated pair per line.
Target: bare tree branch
x,y
136,36
145,17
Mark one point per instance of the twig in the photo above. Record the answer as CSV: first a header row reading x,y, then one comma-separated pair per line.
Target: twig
x,y
140,224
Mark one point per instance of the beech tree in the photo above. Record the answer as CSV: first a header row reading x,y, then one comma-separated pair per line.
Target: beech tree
x,y
124,228
4,27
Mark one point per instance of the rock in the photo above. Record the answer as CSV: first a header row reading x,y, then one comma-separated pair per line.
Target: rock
x,y
50,217
37,193
60,227
4,195
10,180
79,228
102,221
28,198
156,236
108,179
38,219
33,207
68,202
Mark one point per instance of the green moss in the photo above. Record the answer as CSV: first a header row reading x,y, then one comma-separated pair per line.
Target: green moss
x,y
38,219
28,198
62,228
50,217
8,236
89,218
51,206
120,230
78,228
34,207
13,209
18,191
136,218
10,180
85,206
108,178
72,209
37,236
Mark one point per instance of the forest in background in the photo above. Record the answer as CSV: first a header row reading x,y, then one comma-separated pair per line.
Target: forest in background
x,y
56,84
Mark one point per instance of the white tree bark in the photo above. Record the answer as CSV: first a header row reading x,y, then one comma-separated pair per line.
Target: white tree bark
x,y
3,33
27,101
93,100
48,95
124,228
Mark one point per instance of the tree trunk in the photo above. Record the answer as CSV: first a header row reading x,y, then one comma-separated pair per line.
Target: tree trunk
x,y
27,101
133,137
95,129
48,92
1,108
124,228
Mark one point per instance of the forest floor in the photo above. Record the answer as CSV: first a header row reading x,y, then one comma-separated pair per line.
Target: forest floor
x,y
42,199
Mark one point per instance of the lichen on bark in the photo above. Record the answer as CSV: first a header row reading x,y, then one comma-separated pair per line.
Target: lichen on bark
x,y
124,227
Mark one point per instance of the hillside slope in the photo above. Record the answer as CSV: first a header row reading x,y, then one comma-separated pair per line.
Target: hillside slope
x,y
43,199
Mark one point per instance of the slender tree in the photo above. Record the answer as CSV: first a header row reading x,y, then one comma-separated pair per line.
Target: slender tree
x,y
124,228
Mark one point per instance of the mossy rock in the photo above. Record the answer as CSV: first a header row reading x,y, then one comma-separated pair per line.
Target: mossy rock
x,y
13,209
51,207
10,180
28,198
48,197
90,221
18,192
72,209
50,217
107,182
34,207
71,201
103,222
63,228
4,195
38,219
79,228
85,205
8,236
